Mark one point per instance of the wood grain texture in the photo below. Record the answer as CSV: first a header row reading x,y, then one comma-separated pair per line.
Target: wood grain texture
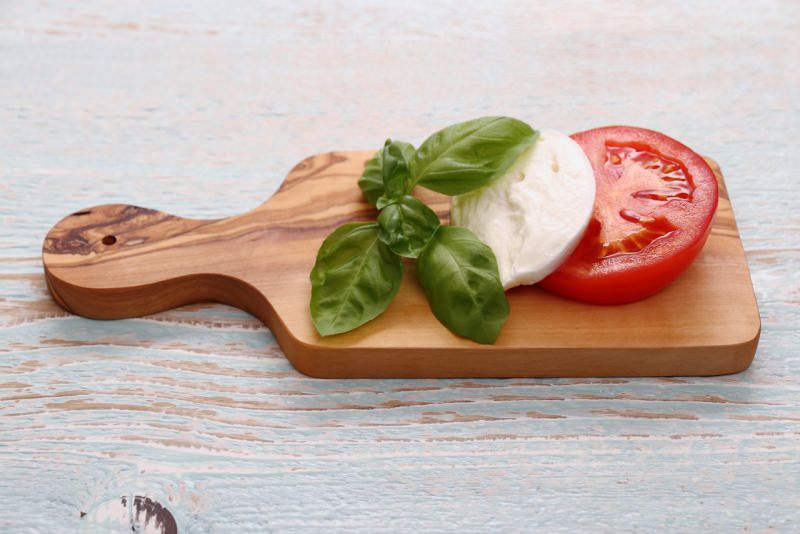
x,y
118,261
204,107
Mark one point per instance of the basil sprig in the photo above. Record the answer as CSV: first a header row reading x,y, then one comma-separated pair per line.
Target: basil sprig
x,y
358,268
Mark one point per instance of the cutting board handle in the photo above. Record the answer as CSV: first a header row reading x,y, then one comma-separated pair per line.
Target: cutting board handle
x,y
86,261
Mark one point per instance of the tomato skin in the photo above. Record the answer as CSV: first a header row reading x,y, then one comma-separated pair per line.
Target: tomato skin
x,y
632,271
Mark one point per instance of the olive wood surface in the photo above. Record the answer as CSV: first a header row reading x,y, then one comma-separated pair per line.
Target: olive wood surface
x,y
115,261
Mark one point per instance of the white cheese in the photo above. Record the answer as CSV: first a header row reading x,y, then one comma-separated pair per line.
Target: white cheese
x,y
534,215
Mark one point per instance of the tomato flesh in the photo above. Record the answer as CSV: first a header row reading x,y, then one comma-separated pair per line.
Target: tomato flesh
x,y
654,206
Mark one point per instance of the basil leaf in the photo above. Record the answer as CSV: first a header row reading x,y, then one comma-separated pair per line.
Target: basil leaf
x,y
469,155
371,181
460,278
395,170
355,278
407,225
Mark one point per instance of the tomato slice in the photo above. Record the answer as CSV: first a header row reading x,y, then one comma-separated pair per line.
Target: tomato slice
x,y
654,206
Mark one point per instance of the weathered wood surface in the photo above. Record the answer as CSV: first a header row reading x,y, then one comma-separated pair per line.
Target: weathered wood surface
x,y
200,110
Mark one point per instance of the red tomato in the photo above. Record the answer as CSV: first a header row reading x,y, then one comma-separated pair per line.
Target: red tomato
x,y
655,202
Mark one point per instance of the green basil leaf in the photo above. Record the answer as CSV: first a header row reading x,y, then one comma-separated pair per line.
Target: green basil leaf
x,y
407,225
395,170
371,181
407,150
355,278
469,155
460,278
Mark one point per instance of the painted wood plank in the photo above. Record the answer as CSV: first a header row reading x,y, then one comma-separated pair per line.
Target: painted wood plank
x,y
200,110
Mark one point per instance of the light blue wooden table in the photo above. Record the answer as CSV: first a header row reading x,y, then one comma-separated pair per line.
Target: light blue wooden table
x,y
201,109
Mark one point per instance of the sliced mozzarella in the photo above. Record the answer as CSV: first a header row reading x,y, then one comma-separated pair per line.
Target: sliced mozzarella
x,y
534,215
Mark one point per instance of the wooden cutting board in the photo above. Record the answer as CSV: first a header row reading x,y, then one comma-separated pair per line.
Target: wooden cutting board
x,y
115,261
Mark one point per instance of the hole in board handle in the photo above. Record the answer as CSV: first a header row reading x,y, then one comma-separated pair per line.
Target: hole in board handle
x,y
109,240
